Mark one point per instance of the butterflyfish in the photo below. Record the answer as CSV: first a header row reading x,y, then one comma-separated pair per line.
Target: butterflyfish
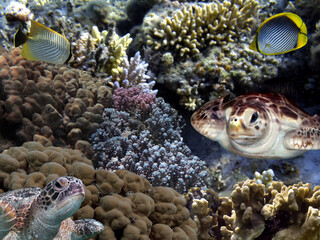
x,y
43,44
281,33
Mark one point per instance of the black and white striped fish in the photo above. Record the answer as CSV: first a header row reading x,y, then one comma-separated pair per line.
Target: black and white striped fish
x,y
281,33
43,44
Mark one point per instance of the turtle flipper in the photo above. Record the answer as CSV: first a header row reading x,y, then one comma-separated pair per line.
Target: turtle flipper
x,y
86,228
306,137
7,218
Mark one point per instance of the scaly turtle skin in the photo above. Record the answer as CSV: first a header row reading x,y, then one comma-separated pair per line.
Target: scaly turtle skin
x,y
44,213
256,125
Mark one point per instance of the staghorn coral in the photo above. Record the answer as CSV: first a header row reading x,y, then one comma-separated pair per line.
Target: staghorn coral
x,y
124,202
147,141
194,27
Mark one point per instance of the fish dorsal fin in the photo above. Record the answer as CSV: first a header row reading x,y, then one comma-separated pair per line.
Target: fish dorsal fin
x,y
39,29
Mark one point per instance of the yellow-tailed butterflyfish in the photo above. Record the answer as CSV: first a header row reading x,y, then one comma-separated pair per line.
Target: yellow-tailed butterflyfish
x,y
43,44
281,33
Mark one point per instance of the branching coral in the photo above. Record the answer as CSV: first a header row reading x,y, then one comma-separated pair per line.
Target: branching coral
x,y
256,212
146,139
217,74
101,51
197,26
134,73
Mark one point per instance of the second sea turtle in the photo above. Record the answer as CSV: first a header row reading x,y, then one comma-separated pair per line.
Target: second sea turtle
x,y
35,213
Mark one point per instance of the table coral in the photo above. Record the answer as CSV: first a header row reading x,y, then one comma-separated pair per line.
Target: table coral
x,y
194,27
147,141
127,204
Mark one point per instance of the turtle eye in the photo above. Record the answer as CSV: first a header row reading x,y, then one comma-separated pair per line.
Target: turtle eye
x,y
254,117
58,185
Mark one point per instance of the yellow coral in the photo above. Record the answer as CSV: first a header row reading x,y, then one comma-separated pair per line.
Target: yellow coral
x,y
196,26
117,47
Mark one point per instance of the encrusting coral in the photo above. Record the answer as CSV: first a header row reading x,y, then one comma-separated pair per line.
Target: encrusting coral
x,y
124,202
143,135
196,26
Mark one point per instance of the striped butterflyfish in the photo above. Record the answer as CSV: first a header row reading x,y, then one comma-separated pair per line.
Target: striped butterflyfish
x,y
281,33
43,44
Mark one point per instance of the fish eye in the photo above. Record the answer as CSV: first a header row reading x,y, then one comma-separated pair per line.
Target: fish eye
x,y
254,117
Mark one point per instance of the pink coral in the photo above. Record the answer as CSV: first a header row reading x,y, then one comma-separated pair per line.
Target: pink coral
x,y
126,98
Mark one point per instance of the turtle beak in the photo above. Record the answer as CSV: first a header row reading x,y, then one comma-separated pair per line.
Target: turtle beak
x,y
235,126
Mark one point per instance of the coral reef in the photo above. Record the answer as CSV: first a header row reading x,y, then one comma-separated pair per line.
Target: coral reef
x,y
194,27
256,212
100,51
266,177
134,16
16,11
308,10
145,138
49,104
224,70
124,202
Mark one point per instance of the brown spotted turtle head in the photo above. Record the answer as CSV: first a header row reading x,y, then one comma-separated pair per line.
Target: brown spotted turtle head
x,y
258,125
60,199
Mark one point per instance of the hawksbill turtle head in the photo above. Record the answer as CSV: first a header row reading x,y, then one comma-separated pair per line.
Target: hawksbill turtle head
x,y
60,199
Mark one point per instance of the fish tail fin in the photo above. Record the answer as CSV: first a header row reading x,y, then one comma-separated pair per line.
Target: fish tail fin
x,y
302,37
19,38
253,45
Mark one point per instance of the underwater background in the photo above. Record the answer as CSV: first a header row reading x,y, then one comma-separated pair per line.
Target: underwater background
x,y
117,116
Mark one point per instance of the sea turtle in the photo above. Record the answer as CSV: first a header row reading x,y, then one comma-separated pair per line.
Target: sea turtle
x,y
257,125
35,213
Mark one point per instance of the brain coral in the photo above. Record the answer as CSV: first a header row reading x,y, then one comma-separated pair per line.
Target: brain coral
x,y
145,137
195,26
124,202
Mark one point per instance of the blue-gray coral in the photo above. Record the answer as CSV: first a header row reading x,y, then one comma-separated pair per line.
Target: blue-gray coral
x,y
148,143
